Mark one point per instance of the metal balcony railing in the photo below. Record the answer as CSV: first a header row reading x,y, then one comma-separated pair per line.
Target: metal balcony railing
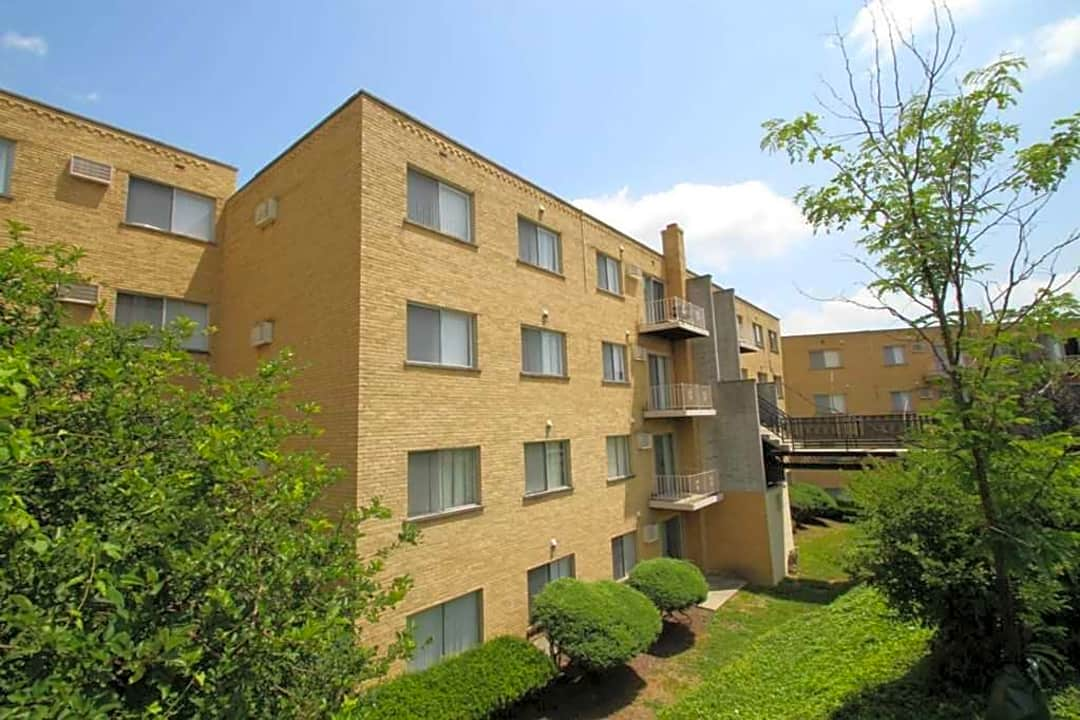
x,y
680,396
840,431
674,310
677,487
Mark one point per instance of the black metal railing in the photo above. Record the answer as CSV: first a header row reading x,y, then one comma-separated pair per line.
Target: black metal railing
x,y
840,431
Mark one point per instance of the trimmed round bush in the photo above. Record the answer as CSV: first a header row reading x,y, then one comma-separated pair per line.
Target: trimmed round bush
x,y
470,686
672,585
810,501
597,625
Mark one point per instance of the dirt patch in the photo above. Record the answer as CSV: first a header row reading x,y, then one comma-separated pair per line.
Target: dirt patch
x,y
626,693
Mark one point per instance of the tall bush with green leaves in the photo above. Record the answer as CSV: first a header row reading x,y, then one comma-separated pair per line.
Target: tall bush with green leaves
x,y
160,551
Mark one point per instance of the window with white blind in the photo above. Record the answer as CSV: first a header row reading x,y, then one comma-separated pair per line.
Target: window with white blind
x,y
830,404
822,359
778,381
539,577
894,355
614,362
439,206
159,312
618,457
543,352
539,246
438,336
442,480
774,342
7,161
608,273
446,630
623,555
901,401
547,466
759,335
167,208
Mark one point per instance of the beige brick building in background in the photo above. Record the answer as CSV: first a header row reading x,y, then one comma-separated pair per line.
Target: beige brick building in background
x,y
541,394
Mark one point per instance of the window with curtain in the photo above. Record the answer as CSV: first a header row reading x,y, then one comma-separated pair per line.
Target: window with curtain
x,y
539,577
441,480
830,404
901,401
618,457
539,246
7,160
759,336
543,352
774,342
547,466
158,312
894,355
440,337
623,555
608,273
168,208
445,630
823,359
439,206
614,362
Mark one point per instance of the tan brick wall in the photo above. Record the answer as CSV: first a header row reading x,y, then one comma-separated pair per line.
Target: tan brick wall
x,y
762,360
63,209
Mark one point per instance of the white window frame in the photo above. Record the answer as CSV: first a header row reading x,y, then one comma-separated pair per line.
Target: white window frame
x,y
619,371
826,356
909,405
774,341
890,354
542,333
172,209
565,471
472,493
198,341
608,273
536,231
778,382
439,189
619,447
619,558
833,407
441,609
472,340
558,564
7,164
759,335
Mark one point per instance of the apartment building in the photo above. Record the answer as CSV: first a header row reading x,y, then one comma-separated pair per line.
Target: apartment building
x,y
542,395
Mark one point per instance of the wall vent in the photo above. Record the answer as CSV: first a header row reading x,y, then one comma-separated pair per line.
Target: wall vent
x,y
91,170
650,533
262,333
78,294
633,271
644,441
918,347
639,353
266,212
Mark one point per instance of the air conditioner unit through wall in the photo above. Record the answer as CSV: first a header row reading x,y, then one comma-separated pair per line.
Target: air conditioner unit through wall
x,y
266,212
650,533
92,170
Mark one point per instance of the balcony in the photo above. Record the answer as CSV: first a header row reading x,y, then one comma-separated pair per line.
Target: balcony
x,y
747,344
674,319
687,493
679,400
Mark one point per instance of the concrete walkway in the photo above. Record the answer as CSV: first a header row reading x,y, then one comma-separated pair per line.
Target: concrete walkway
x,y
721,589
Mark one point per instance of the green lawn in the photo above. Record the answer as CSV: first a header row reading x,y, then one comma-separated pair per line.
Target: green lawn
x,y
815,648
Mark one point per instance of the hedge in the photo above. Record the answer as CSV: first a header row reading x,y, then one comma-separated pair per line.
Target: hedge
x,y
597,625
672,585
810,501
472,685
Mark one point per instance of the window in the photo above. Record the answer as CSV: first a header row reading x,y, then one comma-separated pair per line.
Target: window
x,y
540,576
7,160
441,480
608,273
547,466
759,336
894,355
830,404
543,352
445,630
160,312
744,373
168,208
623,555
901,401
763,377
822,359
926,393
439,206
618,457
539,246
774,342
779,383
614,362
440,337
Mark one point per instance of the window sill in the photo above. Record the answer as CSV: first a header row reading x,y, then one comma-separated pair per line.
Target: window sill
x,y
540,268
444,514
438,234
166,233
6,196
622,479
609,293
436,367
616,383
834,367
543,377
542,494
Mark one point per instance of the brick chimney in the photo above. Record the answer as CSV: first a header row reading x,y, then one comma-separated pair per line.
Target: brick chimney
x,y
674,261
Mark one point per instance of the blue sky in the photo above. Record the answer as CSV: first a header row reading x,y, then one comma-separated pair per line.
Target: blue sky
x,y
644,112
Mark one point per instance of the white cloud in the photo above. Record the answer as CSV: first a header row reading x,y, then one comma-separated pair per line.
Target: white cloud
x,y
908,16
34,44
837,316
720,222
1053,46
90,97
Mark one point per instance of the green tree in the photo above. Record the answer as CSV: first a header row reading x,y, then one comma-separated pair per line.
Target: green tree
x,y
944,200
160,551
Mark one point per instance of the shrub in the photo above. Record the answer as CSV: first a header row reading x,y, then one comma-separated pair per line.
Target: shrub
x,y
597,625
474,684
672,585
810,501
